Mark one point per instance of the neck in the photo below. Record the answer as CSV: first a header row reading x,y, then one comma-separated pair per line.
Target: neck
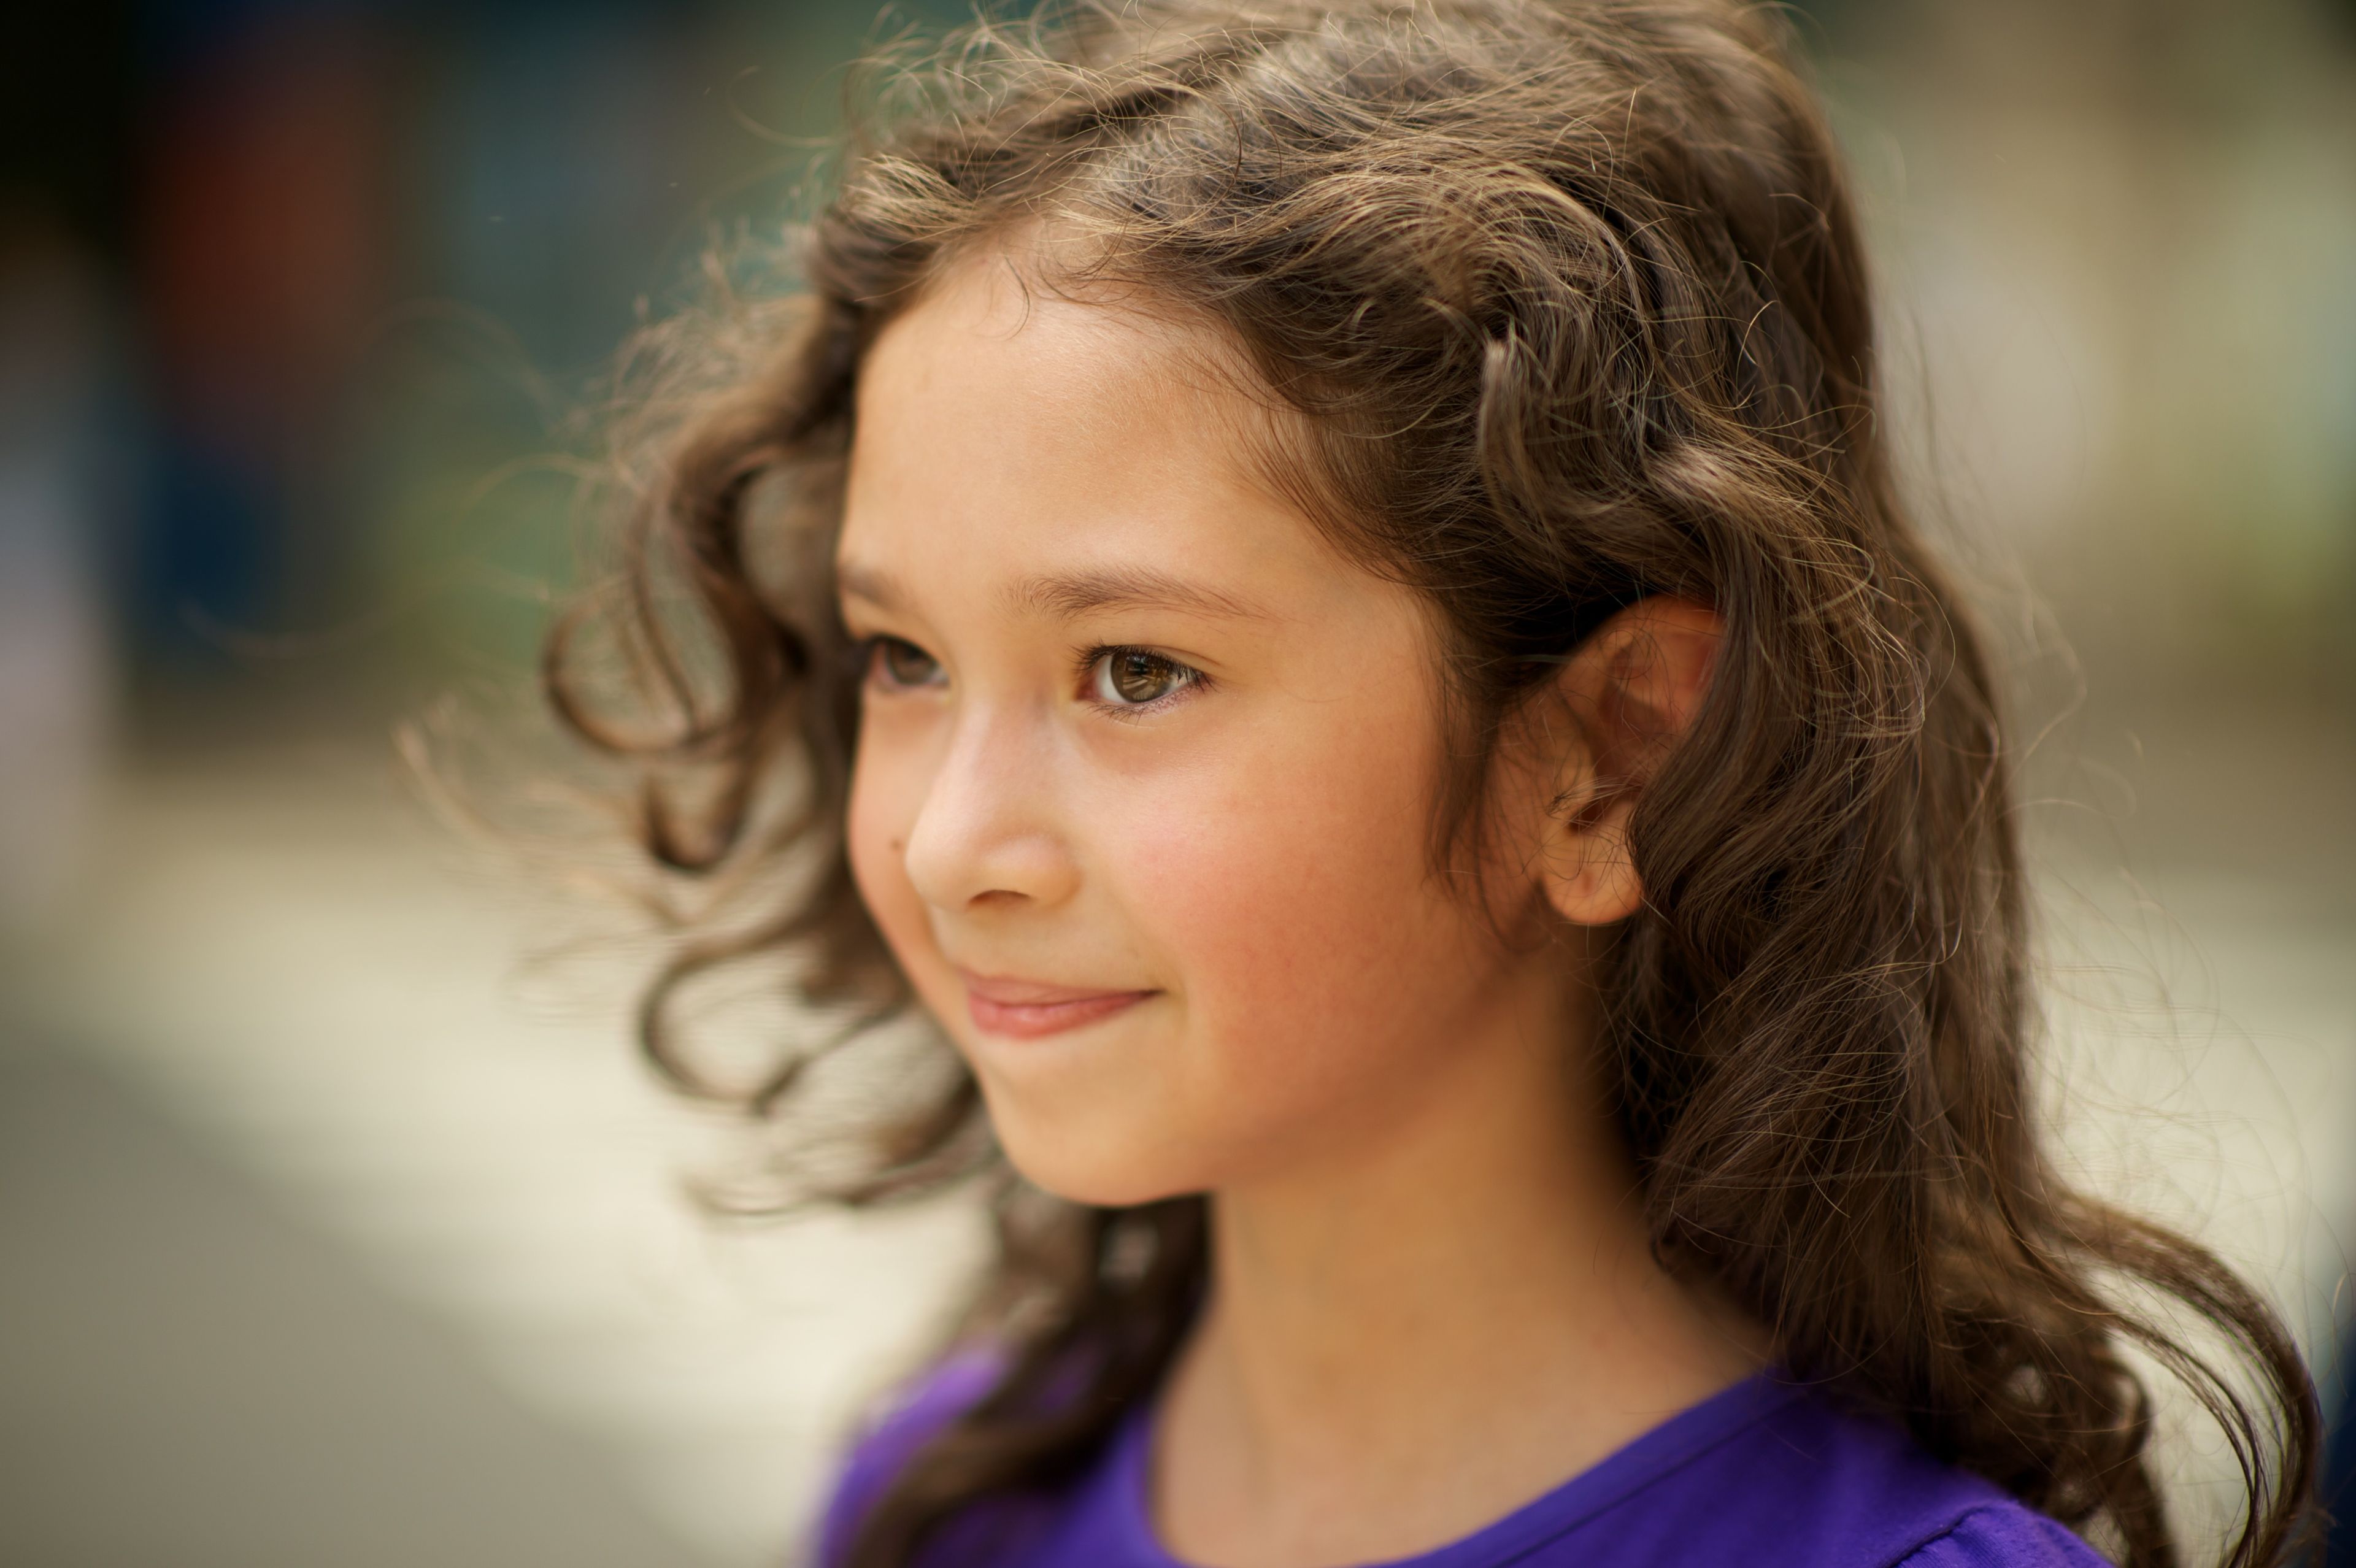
x,y
1415,1330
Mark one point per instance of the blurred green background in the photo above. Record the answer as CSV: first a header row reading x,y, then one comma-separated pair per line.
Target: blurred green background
x,y
336,1226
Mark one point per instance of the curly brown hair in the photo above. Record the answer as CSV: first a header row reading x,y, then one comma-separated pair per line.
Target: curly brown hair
x,y
1569,298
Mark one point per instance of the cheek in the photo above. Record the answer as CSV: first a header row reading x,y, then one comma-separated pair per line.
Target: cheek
x,y
1320,958
886,791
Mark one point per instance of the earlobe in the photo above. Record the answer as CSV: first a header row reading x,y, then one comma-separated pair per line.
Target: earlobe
x,y
1591,879
1633,691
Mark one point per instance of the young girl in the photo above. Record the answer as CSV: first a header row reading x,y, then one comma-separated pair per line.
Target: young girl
x,y
1321,587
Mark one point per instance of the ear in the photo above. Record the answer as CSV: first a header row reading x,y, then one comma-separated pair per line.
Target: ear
x,y
1632,690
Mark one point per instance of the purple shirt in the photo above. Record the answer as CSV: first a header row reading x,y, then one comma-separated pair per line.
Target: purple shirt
x,y
1764,1475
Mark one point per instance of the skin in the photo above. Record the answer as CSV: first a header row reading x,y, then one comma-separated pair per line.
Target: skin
x,y
1197,943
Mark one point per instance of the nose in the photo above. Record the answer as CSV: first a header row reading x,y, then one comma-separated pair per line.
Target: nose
x,y
987,833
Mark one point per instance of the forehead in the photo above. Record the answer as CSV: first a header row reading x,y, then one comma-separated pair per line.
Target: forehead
x,y
1002,417
1096,351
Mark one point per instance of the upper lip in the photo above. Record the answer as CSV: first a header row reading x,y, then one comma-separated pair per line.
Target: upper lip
x,y
1014,991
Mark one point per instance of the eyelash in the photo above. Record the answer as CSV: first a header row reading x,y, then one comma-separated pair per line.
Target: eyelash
x,y
1190,679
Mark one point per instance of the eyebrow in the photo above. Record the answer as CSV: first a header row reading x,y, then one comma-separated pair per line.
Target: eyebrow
x,y
856,579
1068,595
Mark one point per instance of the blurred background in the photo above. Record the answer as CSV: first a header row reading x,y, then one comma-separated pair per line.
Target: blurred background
x,y
339,1224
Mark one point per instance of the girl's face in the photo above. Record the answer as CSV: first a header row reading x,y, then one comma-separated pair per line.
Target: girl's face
x,y
1146,771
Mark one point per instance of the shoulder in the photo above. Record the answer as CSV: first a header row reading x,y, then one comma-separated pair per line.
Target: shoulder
x,y
2003,1535
1891,1504
892,1439
1796,1480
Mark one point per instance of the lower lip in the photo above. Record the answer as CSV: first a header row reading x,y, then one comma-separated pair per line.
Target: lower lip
x,y
1029,1020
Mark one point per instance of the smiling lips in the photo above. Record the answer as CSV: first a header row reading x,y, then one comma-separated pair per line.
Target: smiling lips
x,y
1025,1009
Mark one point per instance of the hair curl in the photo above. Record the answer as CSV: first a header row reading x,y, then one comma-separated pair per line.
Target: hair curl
x,y
1569,297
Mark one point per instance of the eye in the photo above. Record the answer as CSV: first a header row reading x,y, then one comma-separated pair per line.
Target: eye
x,y
897,663
1133,677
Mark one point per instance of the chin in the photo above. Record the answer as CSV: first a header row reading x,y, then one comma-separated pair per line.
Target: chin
x,y
1104,1162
